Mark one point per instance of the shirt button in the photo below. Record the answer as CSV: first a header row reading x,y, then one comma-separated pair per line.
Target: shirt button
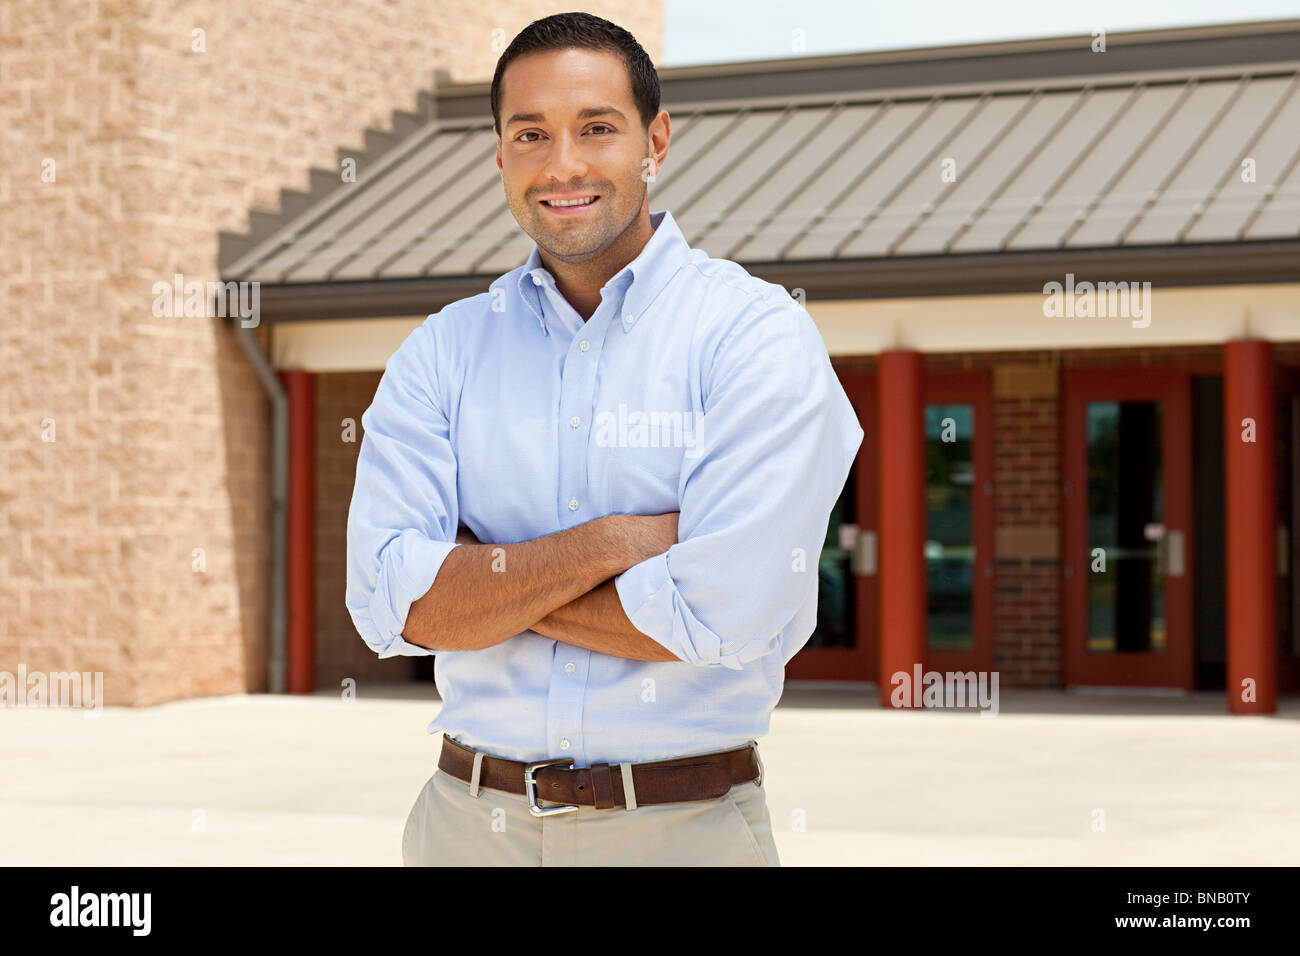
x,y
573,504
584,345
569,668
537,280
628,318
575,421
564,743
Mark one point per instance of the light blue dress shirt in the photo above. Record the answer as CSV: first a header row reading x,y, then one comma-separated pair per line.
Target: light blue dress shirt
x,y
694,387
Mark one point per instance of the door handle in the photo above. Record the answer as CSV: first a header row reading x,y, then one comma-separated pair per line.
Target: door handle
x,y
864,553
1170,551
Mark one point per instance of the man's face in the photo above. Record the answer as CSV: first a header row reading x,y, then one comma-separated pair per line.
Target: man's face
x,y
570,129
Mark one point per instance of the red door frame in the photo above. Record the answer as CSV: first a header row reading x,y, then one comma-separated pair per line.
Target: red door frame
x,y
857,663
1176,666
973,388
1288,672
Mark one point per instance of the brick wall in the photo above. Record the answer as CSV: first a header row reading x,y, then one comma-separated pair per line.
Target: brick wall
x,y
1027,479
160,455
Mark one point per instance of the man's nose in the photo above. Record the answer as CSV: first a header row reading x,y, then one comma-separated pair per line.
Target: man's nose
x,y
566,163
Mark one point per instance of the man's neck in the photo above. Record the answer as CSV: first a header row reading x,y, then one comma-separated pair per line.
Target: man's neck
x,y
581,283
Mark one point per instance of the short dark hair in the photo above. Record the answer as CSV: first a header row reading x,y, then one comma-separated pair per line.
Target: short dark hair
x,y
563,31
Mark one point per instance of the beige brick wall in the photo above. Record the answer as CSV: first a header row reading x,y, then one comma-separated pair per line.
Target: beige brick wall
x,y
160,427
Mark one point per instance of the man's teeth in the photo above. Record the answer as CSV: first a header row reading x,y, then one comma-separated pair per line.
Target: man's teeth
x,y
569,202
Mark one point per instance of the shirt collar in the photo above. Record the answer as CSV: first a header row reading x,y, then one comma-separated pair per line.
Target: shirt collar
x,y
642,279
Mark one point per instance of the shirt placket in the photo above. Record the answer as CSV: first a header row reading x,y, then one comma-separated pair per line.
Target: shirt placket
x,y
569,664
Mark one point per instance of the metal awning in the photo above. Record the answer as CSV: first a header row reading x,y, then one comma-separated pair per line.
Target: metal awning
x,y
1180,172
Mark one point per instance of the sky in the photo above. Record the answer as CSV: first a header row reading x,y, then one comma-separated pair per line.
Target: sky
x,y
722,31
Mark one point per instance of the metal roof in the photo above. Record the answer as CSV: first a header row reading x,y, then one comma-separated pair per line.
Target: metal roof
x,y
1104,161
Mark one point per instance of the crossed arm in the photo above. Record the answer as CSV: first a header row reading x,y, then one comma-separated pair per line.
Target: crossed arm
x,y
560,585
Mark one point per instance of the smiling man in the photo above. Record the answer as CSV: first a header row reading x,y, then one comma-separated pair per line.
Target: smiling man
x,y
612,609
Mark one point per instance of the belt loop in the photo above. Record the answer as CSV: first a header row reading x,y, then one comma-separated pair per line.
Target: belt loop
x,y
629,788
759,758
474,777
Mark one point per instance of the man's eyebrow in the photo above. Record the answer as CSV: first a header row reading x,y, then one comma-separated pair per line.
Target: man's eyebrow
x,y
588,113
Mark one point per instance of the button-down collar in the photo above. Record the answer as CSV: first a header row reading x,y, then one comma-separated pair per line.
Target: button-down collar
x,y
642,279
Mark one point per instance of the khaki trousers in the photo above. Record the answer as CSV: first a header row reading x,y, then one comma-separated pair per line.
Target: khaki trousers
x,y
451,826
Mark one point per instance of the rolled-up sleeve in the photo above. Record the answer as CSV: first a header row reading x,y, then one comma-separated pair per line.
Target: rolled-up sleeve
x,y
773,449
403,515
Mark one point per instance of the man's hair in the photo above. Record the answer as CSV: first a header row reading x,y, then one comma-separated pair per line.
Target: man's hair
x,y
564,31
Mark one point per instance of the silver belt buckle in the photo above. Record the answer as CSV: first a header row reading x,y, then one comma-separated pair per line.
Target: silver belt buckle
x,y
530,788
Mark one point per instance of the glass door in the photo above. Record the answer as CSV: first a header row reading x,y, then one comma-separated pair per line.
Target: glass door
x,y
1127,499
958,521
843,647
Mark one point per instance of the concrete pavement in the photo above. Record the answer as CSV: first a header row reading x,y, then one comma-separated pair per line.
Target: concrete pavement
x,y
1054,779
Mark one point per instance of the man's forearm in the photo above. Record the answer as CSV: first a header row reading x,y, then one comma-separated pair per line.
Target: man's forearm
x,y
484,594
597,621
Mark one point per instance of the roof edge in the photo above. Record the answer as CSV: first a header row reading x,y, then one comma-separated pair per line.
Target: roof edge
x,y
1200,35
1022,61
1257,261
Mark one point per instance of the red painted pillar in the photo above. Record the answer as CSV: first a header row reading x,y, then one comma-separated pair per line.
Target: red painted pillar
x,y
901,428
1250,514
301,520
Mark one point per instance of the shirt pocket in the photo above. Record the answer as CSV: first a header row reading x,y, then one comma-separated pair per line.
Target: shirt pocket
x,y
641,480
639,439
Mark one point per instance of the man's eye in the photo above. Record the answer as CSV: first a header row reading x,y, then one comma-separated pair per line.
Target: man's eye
x,y
533,132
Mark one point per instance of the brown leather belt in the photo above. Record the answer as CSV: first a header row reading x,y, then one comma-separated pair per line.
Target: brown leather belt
x,y
700,777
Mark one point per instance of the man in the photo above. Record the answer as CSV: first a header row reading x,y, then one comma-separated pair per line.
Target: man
x,y
598,493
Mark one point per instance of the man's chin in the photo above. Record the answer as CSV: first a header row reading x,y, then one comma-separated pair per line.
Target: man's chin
x,y
570,245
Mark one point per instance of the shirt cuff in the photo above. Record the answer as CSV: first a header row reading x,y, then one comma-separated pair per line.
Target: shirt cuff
x,y
653,604
408,567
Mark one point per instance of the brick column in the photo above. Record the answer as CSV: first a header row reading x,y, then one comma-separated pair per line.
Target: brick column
x,y
1250,514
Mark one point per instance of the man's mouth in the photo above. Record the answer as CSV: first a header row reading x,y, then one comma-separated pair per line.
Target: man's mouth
x,y
571,206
